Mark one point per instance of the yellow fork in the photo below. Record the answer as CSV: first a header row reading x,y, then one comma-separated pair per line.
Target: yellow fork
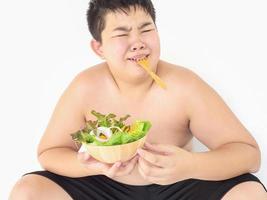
x,y
144,63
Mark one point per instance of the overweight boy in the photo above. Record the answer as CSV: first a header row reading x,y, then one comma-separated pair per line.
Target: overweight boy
x,y
125,32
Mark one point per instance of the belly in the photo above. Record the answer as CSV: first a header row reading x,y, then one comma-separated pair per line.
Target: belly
x,y
135,178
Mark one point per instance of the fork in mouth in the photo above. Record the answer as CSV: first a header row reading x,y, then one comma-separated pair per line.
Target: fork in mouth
x,y
145,64
137,59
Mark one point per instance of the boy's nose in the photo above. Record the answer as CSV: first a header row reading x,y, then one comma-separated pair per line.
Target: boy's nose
x,y
138,46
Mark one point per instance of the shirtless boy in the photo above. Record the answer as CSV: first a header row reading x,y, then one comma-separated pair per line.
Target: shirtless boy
x,y
166,168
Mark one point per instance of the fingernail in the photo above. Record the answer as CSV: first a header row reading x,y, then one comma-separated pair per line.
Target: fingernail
x,y
87,156
117,164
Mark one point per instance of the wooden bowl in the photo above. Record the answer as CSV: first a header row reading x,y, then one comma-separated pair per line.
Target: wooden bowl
x,y
112,154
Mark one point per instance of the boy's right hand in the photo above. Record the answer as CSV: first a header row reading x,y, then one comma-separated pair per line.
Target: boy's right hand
x,y
110,170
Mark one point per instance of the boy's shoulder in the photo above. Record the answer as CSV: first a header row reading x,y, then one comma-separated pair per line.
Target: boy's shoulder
x,y
89,78
179,78
177,72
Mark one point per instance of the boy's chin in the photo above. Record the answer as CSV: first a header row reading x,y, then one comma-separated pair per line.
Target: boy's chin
x,y
135,68
132,63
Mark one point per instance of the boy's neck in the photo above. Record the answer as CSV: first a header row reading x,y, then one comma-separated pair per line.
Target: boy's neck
x,y
135,89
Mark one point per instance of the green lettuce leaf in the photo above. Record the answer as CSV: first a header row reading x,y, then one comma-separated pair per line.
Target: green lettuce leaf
x,y
126,135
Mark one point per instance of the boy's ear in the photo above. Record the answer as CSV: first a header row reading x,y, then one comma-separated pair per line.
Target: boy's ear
x,y
97,48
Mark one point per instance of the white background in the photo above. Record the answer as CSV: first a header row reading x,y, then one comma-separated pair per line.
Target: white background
x,y
44,44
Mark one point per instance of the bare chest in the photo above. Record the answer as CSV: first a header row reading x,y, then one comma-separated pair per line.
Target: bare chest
x,y
166,114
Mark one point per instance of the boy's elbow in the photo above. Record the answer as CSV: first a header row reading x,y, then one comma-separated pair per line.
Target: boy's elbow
x,y
40,158
256,160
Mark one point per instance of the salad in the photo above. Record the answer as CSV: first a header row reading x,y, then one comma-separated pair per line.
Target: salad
x,y
108,131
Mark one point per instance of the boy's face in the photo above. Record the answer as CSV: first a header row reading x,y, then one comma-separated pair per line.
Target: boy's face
x,y
128,37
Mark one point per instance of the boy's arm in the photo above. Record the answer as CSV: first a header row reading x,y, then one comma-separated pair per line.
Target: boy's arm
x,y
233,151
56,151
63,161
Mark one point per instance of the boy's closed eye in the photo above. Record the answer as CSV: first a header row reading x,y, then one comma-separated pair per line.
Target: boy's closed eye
x,y
145,31
124,35
121,35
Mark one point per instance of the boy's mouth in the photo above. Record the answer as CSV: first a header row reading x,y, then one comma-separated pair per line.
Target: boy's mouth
x,y
138,58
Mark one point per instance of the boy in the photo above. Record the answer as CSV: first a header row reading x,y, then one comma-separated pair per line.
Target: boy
x,y
123,32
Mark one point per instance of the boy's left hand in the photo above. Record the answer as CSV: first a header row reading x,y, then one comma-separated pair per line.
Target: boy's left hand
x,y
164,164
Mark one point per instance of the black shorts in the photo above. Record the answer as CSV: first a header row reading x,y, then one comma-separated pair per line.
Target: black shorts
x,y
100,187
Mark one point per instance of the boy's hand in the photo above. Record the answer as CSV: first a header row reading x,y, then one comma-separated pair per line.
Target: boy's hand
x,y
164,164
110,170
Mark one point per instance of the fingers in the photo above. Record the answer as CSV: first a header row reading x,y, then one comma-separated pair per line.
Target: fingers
x,y
122,169
89,162
151,173
86,156
157,180
111,172
149,170
160,148
83,156
128,167
155,159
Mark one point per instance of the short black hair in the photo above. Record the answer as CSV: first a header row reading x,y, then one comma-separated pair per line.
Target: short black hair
x,y
99,8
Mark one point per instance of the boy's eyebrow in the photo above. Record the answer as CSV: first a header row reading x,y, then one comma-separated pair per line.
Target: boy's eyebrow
x,y
126,29
144,25
122,28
